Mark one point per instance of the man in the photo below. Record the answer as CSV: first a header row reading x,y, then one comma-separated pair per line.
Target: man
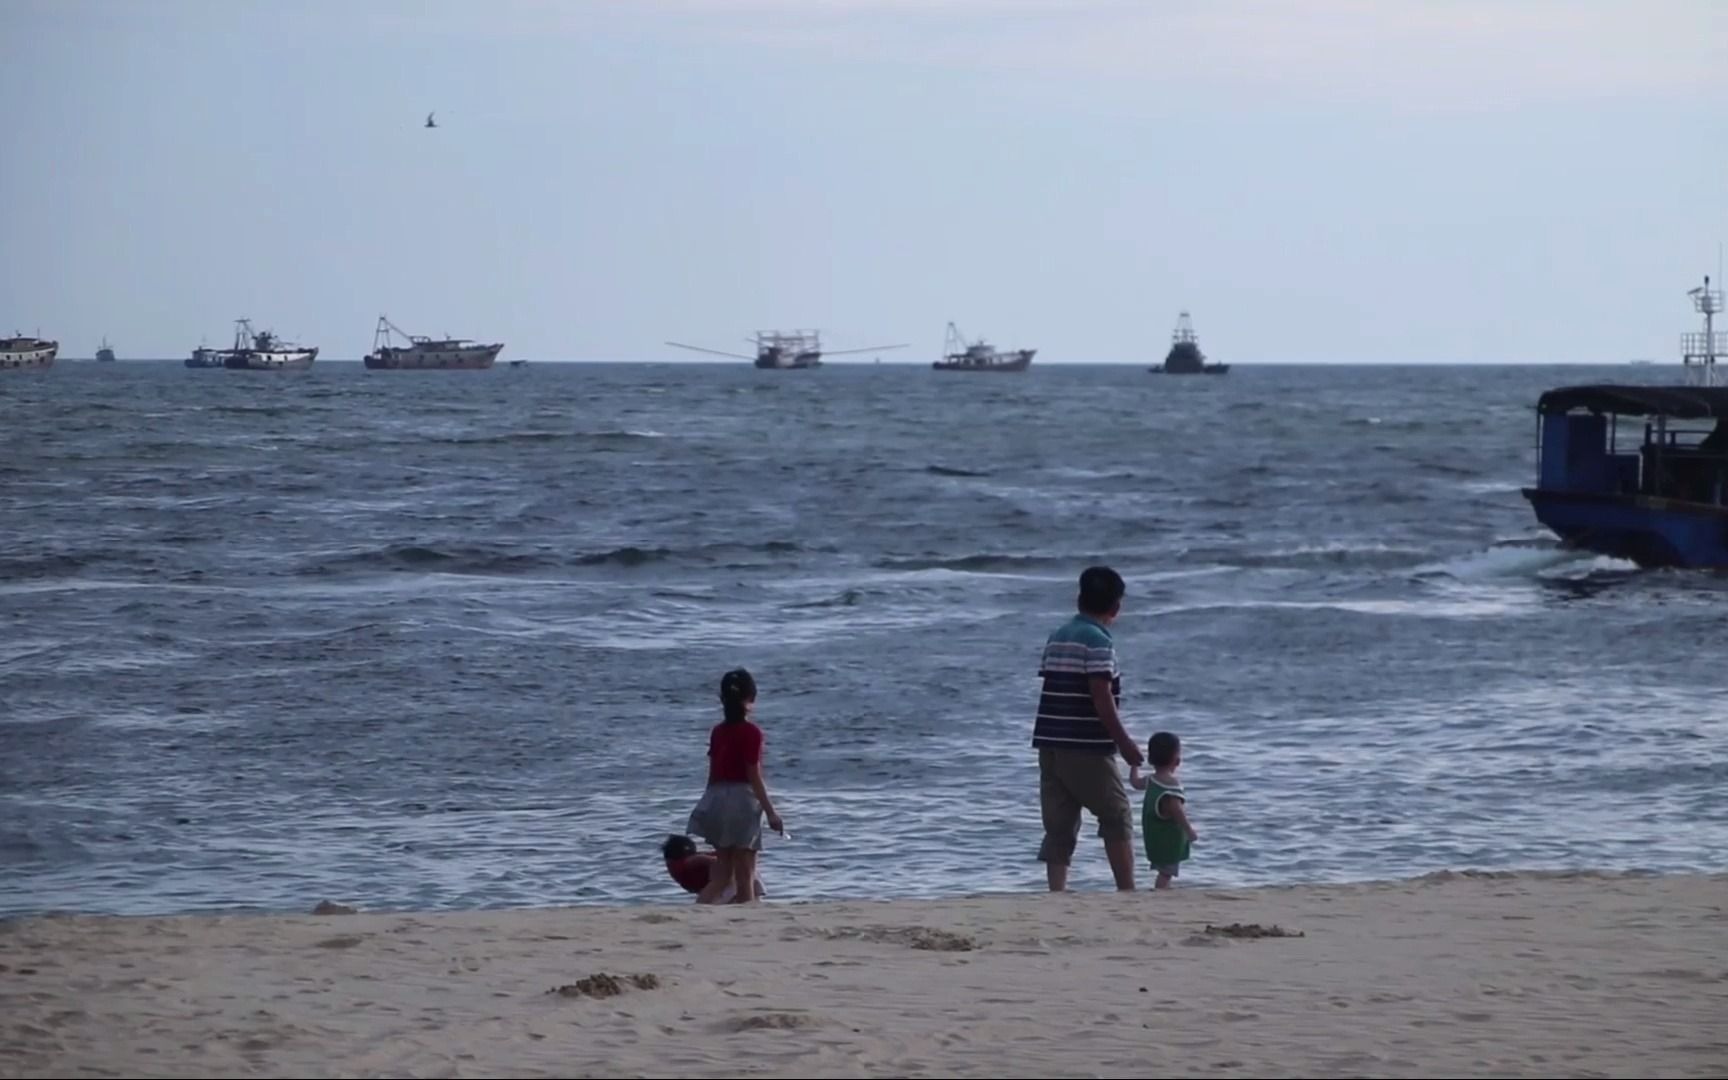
x,y
1079,732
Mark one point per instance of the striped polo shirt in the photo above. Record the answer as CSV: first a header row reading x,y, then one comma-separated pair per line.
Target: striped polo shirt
x,y
1067,719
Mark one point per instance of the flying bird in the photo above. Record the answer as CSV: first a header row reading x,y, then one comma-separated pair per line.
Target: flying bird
x,y
430,122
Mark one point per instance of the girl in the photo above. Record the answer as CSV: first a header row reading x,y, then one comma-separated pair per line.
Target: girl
x,y
729,814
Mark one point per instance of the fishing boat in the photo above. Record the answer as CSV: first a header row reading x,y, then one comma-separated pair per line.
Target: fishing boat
x,y
20,353
105,354
1641,472
785,350
958,354
1185,357
205,357
427,354
262,350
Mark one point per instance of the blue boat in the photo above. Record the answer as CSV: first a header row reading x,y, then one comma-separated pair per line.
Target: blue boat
x,y
1657,496
1656,500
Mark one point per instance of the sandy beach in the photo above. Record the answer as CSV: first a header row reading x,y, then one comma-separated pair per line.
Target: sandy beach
x,y
1474,975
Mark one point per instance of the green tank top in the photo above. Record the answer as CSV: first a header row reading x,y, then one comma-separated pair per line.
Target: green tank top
x,y
1166,842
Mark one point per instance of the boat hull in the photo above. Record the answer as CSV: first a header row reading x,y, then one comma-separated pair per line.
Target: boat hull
x,y
800,362
1208,369
28,354
1650,531
475,358
271,360
1015,361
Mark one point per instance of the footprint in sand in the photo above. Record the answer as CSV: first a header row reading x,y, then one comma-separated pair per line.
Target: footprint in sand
x,y
1251,931
917,937
775,1021
603,985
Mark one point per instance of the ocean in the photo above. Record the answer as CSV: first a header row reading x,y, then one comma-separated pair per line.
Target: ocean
x,y
452,640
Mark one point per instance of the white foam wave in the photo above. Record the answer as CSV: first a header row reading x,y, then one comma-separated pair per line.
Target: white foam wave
x,y
1500,561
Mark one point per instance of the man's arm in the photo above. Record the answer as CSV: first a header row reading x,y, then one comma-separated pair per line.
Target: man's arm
x,y
1104,700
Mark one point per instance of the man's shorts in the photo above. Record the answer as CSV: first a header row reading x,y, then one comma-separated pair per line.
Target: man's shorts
x,y
1073,780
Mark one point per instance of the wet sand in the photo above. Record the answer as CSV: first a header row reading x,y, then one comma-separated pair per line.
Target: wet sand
x,y
1471,975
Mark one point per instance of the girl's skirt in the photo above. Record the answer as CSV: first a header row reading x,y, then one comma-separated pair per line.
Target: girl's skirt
x,y
728,816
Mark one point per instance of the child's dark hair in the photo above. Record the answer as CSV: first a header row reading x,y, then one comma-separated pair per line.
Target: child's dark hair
x,y
678,847
1101,589
737,689
1162,748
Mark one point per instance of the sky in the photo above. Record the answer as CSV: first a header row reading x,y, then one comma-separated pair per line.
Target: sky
x,y
1411,181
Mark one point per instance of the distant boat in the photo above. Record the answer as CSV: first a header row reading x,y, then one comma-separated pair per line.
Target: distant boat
x,y
960,355
427,354
205,357
18,353
105,355
785,350
254,351
518,363
1185,357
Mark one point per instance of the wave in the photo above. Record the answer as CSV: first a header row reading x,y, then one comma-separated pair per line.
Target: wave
x,y
455,559
625,556
848,598
520,438
979,563
1442,468
732,555
515,438
951,470
253,410
34,567
1312,556
487,559
1523,559
685,594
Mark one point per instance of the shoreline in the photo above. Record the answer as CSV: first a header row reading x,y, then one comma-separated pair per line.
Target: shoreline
x,y
1474,973
671,897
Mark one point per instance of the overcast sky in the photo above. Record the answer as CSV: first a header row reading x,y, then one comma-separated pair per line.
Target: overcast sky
x,y
1354,180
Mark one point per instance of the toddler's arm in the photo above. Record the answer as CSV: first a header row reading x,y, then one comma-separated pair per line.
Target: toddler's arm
x,y
1135,780
1177,810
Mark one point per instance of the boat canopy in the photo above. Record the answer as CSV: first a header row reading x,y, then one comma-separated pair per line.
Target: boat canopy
x,y
1681,402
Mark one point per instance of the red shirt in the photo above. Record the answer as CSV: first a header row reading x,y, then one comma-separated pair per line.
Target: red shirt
x,y
691,871
732,749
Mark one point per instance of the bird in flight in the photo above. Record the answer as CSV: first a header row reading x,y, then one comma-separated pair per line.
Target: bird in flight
x,y
430,122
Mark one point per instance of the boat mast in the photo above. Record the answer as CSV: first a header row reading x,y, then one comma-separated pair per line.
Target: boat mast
x,y
953,344
1184,332
1699,351
381,334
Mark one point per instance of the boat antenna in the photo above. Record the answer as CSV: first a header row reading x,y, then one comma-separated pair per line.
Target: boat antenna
x,y
1699,351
